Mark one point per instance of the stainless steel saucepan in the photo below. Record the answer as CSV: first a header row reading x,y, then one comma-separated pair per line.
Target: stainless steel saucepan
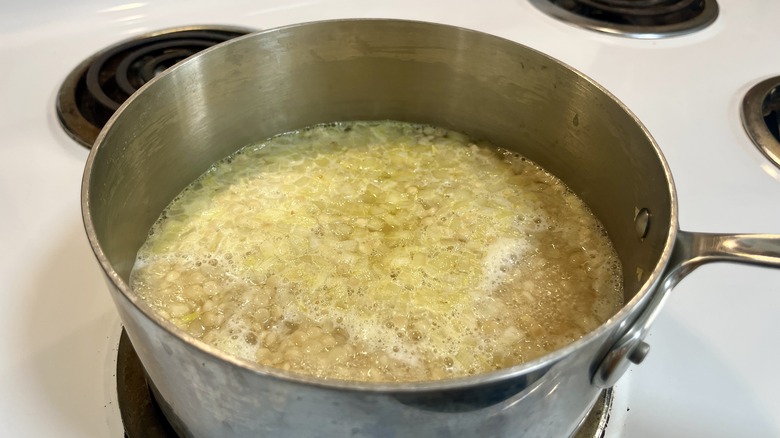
x,y
279,80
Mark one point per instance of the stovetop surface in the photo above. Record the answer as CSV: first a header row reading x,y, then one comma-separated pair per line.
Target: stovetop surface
x,y
712,367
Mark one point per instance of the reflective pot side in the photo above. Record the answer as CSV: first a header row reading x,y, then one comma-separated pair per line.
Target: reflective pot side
x,y
280,80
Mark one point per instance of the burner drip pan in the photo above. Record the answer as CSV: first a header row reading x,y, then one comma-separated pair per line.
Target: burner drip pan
x,y
100,84
644,19
142,416
761,118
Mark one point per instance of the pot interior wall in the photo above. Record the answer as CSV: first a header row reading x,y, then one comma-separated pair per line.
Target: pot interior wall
x,y
252,88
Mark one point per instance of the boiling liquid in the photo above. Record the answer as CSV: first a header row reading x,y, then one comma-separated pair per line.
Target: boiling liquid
x,y
380,251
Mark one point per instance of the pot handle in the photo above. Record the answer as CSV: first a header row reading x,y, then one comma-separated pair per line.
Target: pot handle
x,y
690,251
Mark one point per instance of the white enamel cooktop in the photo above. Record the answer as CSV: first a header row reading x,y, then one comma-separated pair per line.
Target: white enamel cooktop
x,y
712,369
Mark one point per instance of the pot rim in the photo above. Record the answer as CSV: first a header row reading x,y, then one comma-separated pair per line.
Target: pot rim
x,y
640,299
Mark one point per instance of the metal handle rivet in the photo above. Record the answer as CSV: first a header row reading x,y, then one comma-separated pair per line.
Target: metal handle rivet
x,y
639,353
642,222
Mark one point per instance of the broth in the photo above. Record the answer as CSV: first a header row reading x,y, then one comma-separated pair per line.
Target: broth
x,y
380,251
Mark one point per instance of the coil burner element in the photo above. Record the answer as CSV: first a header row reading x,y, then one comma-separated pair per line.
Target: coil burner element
x,y
644,19
100,84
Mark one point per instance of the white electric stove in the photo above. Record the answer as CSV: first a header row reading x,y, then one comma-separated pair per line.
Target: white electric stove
x,y
712,368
